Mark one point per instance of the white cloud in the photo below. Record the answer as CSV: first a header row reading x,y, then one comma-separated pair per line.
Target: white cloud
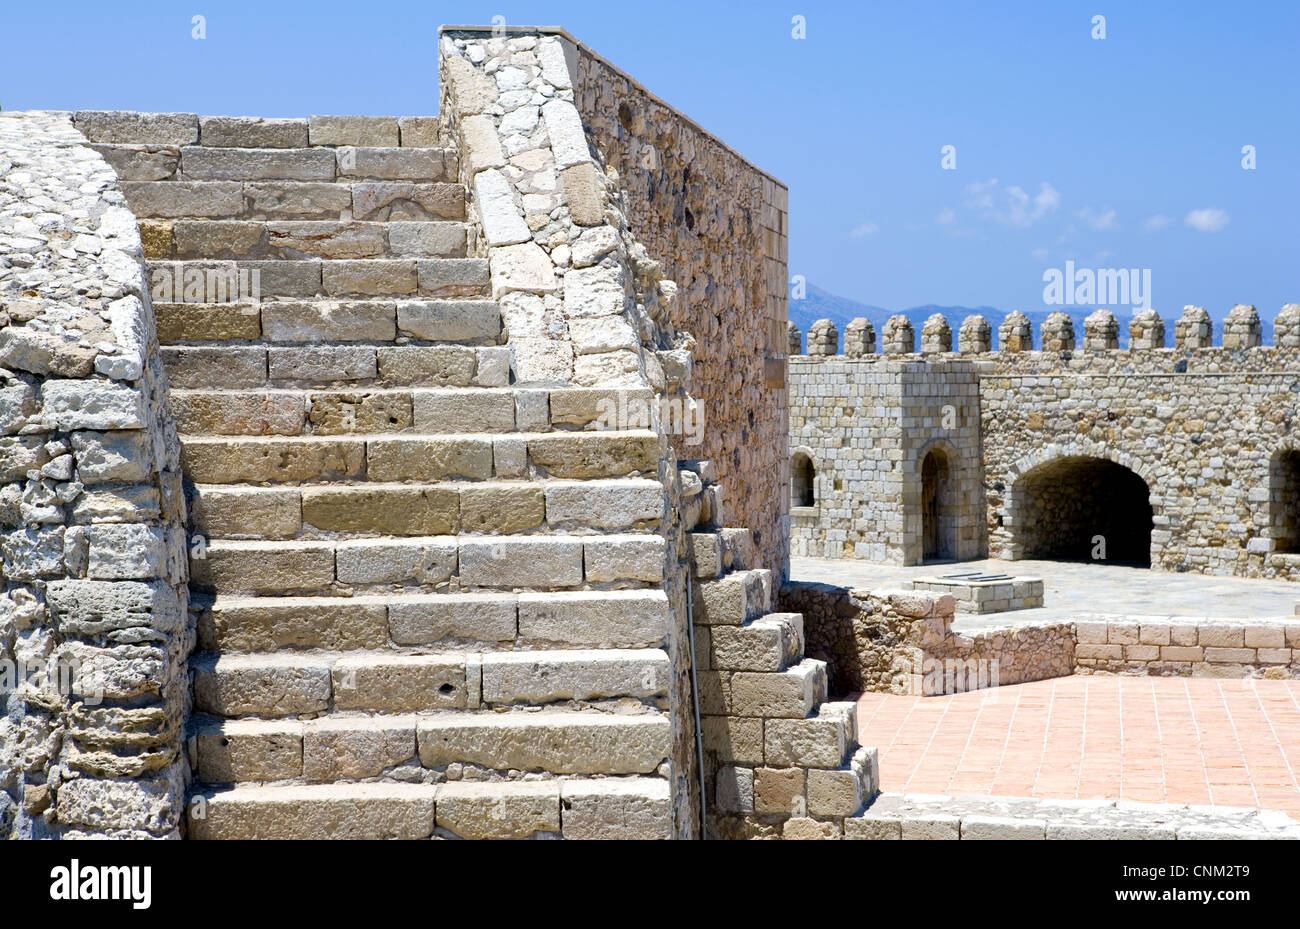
x,y
1039,254
979,196
947,216
1157,222
864,230
1012,206
1207,220
1101,221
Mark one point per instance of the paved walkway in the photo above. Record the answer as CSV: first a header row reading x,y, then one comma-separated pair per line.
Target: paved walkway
x,y
1074,590
1146,739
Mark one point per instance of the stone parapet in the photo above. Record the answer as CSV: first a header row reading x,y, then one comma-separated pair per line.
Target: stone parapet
x,y
91,508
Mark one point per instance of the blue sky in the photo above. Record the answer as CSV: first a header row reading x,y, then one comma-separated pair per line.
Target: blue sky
x,y
1122,152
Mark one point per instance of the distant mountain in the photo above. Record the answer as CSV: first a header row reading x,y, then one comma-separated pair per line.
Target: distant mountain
x,y
820,304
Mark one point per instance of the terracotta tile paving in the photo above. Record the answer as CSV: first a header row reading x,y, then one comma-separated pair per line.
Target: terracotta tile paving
x,y
1148,739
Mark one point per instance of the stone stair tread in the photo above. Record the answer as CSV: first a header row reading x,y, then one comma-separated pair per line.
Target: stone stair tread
x,y
416,455
239,624
314,811
515,506
377,436
574,808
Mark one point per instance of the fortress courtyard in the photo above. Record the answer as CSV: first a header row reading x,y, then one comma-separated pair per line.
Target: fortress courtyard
x,y
1085,738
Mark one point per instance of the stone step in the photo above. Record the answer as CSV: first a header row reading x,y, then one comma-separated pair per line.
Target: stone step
x,y
291,240
431,373
537,562
317,163
824,740
559,741
633,618
250,281
789,694
156,201
386,458
322,320
551,740
241,367
716,552
320,811
290,412
772,643
734,599
221,511
132,127
605,808
281,684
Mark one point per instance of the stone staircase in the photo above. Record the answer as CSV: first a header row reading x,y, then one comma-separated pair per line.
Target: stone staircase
x,y
429,601
780,761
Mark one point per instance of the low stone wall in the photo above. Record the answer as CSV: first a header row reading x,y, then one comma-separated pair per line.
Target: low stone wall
x,y
1167,647
94,626
902,642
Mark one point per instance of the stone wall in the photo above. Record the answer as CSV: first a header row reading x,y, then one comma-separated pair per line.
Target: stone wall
x,y
901,642
867,427
1174,647
719,226
94,627
1211,432
1203,443
582,302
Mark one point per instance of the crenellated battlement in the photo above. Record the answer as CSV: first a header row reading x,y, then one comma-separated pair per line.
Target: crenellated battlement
x,y
1057,340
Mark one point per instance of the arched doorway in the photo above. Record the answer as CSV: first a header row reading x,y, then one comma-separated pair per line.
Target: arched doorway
x,y
1080,508
803,479
937,525
1284,500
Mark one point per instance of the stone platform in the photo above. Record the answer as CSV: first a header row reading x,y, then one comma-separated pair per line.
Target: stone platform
x,y
1073,591
979,592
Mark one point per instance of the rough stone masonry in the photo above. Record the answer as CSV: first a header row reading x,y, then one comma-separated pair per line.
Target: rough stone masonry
x,y
1183,458
93,622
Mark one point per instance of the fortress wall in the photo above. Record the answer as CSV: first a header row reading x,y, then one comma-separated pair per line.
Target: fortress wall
x,y
719,226
94,627
1203,427
867,428
1204,444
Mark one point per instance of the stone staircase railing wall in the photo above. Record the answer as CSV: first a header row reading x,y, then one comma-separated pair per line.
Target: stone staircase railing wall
x,y
719,226
583,305
591,180
94,627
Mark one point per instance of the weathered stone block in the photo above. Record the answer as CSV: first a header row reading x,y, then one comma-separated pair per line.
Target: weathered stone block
x,y
398,683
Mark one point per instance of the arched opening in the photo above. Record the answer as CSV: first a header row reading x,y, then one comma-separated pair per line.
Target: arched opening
x,y
802,481
938,528
1284,500
1080,508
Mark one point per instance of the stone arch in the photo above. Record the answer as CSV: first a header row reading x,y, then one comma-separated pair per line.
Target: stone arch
x,y
1064,499
803,477
1284,499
